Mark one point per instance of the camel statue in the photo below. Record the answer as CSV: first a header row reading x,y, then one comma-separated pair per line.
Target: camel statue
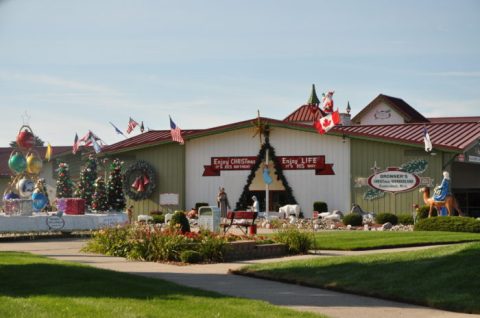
x,y
450,203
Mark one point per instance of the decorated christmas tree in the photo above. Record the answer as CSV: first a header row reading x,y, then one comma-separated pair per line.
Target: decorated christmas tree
x,y
64,182
99,200
86,184
116,198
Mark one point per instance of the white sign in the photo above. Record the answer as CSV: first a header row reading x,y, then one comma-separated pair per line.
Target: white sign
x,y
394,181
168,198
55,223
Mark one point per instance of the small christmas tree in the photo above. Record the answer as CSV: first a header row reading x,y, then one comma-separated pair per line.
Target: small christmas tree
x,y
99,200
86,184
116,198
64,182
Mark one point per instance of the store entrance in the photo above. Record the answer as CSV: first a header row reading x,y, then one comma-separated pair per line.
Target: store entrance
x,y
277,198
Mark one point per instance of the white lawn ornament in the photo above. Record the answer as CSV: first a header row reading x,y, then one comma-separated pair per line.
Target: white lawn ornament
x,y
290,209
168,217
292,219
334,215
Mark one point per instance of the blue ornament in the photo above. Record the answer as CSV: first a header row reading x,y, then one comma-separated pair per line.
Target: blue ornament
x,y
10,196
39,201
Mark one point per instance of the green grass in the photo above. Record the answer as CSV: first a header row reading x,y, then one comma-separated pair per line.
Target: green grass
x,y
443,277
363,240
34,286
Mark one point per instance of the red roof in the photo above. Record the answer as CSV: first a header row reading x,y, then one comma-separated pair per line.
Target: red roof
x,y
456,137
6,151
473,119
303,114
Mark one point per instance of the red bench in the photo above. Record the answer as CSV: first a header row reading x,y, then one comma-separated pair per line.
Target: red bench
x,y
241,219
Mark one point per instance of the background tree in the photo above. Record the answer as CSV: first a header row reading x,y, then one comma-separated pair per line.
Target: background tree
x,y
86,184
115,195
38,142
99,199
64,182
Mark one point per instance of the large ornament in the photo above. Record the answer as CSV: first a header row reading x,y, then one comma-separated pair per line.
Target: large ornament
x,y
17,162
34,164
25,137
39,201
25,187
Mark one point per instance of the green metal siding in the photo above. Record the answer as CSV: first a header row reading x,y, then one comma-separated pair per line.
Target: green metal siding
x,y
168,161
364,154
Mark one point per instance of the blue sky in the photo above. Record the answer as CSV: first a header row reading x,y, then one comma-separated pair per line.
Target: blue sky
x,y
76,65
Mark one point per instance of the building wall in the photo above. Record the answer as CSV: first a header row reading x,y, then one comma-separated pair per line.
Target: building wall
x,y
382,114
307,187
168,162
366,153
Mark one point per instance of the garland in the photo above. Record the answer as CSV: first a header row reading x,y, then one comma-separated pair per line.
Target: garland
x,y
245,198
139,172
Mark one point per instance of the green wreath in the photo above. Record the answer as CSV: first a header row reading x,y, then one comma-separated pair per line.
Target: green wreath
x,y
139,180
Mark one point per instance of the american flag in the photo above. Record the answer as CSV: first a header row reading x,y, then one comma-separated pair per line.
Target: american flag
x,y
75,144
176,132
131,125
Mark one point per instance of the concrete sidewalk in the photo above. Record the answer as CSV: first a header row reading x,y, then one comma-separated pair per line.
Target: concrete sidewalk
x,y
215,277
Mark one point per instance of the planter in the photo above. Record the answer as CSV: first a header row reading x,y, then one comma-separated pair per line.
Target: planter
x,y
243,250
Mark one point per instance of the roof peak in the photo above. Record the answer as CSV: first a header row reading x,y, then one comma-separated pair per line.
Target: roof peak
x,y
313,99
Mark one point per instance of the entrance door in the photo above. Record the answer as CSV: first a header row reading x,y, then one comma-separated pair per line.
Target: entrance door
x,y
277,198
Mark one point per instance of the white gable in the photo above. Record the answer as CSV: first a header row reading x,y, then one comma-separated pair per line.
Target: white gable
x,y
381,114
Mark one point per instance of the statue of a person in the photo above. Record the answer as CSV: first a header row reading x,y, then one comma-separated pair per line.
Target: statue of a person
x,y
443,189
222,202
256,204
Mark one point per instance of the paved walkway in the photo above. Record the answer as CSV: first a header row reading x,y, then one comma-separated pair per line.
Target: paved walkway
x,y
215,277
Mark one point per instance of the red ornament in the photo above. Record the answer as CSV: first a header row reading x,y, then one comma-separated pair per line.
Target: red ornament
x,y
25,138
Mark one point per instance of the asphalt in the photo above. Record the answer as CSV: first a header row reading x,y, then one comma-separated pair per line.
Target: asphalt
x,y
215,277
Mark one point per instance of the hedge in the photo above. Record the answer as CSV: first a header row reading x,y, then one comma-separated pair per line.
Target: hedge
x,y
448,224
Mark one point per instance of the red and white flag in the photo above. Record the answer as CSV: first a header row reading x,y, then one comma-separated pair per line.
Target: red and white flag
x,y
176,132
326,123
75,144
131,125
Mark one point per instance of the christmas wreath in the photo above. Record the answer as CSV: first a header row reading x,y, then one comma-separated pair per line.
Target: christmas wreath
x,y
139,180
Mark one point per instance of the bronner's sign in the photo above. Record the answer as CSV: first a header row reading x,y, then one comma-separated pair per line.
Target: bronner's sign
x,y
317,163
394,180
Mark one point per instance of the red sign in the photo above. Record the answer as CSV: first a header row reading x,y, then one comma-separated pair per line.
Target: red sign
x,y
317,163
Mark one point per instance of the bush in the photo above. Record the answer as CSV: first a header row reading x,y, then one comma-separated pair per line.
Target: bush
x,y
449,224
422,212
158,218
179,221
200,204
190,256
297,242
353,219
382,218
320,206
405,219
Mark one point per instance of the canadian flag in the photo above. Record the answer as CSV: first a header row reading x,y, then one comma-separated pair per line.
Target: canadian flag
x,y
326,123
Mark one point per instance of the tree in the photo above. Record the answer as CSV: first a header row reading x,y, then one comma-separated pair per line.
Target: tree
x,y
64,182
99,199
115,195
86,184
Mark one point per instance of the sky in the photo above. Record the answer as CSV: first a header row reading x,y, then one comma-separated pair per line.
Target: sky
x,y
67,67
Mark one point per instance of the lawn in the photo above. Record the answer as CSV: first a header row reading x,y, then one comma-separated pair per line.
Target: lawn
x,y
363,240
443,277
34,286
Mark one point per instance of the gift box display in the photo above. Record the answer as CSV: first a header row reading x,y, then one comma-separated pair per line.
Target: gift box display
x,y
18,207
74,206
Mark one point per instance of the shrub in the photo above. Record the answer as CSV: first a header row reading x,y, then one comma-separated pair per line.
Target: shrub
x,y
189,256
200,204
422,212
158,218
110,241
449,224
320,206
179,220
405,219
382,218
353,219
297,242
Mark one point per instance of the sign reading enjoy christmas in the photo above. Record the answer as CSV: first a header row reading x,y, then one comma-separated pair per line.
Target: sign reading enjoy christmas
x,y
394,180
317,163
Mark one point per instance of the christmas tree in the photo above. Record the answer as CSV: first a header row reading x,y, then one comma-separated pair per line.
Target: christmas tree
x,y
99,200
64,183
86,184
116,198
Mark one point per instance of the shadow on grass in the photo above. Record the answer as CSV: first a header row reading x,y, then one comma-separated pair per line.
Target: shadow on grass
x,y
36,276
447,281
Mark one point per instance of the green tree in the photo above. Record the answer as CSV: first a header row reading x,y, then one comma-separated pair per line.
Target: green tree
x,y
86,184
99,199
64,182
115,195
